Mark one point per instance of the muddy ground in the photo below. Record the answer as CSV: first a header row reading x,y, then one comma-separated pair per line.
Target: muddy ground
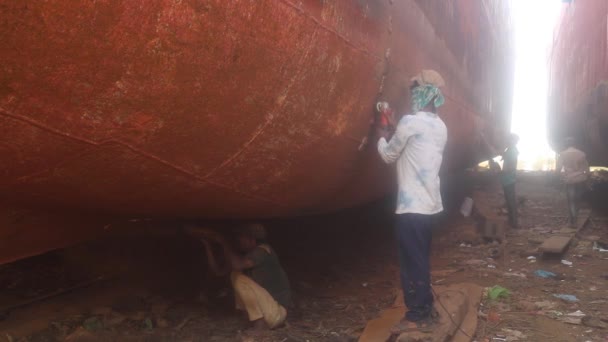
x,y
145,282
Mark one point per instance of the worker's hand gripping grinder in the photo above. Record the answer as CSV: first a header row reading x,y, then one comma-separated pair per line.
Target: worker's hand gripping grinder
x,y
385,118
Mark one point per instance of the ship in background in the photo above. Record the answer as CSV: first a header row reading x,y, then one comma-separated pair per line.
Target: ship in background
x,y
118,109
578,102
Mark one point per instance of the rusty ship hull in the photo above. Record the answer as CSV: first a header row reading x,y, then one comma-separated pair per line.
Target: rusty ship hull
x,y
578,96
224,108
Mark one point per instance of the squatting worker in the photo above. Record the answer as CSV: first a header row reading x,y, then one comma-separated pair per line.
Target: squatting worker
x,y
573,163
261,287
417,147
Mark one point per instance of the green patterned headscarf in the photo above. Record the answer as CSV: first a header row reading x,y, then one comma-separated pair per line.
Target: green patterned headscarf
x,y
422,96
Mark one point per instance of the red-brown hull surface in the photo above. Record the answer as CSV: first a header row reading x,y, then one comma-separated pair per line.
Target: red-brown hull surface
x,y
227,108
579,75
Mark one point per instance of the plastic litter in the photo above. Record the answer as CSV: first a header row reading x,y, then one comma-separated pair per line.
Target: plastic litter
x,y
566,262
513,335
93,324
497,292
467,207
577,313
566,297
493,316
515,275
599,247
544,274
555,314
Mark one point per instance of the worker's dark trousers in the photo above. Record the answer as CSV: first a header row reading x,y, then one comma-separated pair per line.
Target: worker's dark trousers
x,y
414,237
511,200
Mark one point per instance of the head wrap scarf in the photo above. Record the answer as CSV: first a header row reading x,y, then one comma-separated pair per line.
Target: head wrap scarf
x,y
423,95
427,90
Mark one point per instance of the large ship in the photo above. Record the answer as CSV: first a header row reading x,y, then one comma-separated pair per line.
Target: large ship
x,y
578,88
225,108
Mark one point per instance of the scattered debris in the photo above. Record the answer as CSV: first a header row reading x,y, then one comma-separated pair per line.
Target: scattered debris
x,y
476,262
566,262
525,305
597,246
4,311
148,325
93,324
523,308
497,292
513,335
566,297
545,305
577,313
594,322
554,314
493,316
544,274
571,320
515,274
467,207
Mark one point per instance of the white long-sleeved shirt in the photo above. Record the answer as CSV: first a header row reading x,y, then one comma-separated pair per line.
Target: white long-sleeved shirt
x,y
417,147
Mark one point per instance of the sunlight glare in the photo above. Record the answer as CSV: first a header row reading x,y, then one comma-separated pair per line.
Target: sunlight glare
x,y
534,27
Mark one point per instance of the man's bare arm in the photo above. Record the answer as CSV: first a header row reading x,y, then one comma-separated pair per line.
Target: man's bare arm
x,y
213,265
237,261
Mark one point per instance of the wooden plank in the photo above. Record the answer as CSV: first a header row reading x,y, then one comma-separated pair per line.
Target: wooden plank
x,y
379,329
582,219
461,302
558,243
555,244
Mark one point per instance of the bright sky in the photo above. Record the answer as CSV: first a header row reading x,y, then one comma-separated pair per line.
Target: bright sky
x,y
534,24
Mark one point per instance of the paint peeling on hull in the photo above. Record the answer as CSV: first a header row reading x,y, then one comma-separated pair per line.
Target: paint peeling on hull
x,y
209,108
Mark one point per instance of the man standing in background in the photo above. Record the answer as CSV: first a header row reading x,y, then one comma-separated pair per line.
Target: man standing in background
x,y
575,174
417,147
509,178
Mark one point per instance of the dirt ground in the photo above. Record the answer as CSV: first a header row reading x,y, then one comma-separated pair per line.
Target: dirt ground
x,y
145,282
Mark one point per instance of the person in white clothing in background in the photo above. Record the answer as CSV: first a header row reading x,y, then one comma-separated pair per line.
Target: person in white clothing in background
x,y
573,166
417,148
